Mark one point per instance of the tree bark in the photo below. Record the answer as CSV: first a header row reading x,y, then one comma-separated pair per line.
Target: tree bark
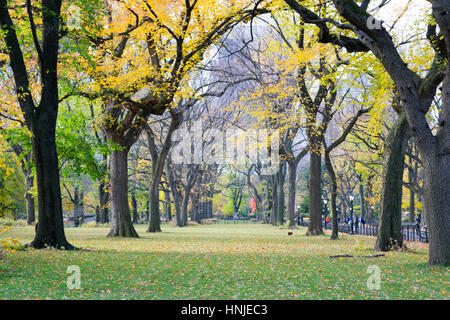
x,y
135,208
390,225
50,228
281,206
103,198
332,174
275,198
175,193
121,224
292,178
167,205
362,208
315,192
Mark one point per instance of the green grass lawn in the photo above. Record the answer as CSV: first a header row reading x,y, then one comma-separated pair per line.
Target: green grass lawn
x,y
217,262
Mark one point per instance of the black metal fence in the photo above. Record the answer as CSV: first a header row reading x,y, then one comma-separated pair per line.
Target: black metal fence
x,y
410,232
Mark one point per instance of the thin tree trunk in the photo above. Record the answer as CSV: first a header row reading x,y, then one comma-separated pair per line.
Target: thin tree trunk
x,y
158,163
412,195
291,193
103,197
121,224
281,206
315,203
167,205
332,174
275,198
29,199
184,209
362,199
135,208
175,193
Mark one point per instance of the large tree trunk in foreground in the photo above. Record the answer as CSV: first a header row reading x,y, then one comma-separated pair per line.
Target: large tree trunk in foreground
x,y
436,197
315,192
50,228
29,199
121,224
390,226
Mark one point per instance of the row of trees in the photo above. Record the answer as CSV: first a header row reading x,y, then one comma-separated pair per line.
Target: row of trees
x,y
333,83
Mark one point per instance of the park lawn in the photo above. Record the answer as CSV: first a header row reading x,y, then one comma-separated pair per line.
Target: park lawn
x,y
217,262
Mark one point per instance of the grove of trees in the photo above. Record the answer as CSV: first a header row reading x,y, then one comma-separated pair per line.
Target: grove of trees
x,y
126,110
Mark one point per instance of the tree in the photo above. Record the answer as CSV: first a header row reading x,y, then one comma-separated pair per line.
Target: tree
x,y
40,119
169,39
331,171
416,93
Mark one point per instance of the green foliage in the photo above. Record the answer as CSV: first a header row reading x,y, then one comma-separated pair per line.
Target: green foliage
x,y
78,149
12,201
304,205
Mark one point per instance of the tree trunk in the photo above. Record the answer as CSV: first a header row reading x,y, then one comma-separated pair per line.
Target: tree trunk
x,y
390,226
275,198
135,208
362,201
412,194
155,218
121,224
167,205
291,193
29,199
344,209
158,163
175,193
281,206
315,203
436,191
78,206
184,209
332,174
370,195
50,228
103,198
